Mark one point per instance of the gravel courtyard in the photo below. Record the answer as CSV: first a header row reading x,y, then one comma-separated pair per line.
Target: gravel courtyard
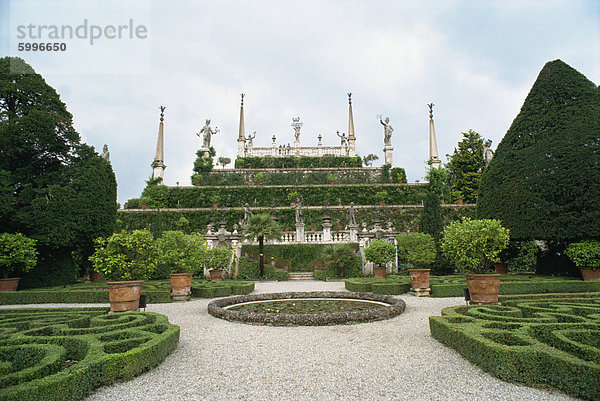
x,y
394,359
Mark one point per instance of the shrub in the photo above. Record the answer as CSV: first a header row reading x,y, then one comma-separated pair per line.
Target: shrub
x,y
125,256
585,254
521,256
218,258
17,253
180,253
248,269
474,244
380,252
418,249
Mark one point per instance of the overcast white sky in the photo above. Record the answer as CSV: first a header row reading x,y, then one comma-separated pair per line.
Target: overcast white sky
x,y
476,60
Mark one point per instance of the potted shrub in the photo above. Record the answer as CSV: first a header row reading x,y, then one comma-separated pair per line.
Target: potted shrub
x,y
586,256
17,253
474,245
127,259
380,253
214,199
216,261
419,250
331,178
258,178
381,196
183,255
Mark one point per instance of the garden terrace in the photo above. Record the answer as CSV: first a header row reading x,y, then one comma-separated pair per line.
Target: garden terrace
x,y
392,307
63,354
157,291
453,286
546,340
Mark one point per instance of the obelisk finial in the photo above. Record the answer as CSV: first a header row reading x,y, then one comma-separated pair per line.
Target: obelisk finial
x,y
162,113
243,98
434,160
350,97
430,105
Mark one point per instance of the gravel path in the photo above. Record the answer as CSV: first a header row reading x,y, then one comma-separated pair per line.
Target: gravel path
x,y
394,359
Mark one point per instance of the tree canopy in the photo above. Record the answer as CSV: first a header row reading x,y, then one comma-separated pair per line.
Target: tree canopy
x,y
465,166
59,191
544,180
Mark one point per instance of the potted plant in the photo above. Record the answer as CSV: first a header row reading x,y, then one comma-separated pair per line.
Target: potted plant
x,y
474,245
331,178
419,250
216,260
214,199
258,178
17,253
127,259
183,255
586,256
380,253
501,265
381,196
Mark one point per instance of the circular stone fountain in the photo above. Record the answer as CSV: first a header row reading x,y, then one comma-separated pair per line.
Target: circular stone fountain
x,y
379,307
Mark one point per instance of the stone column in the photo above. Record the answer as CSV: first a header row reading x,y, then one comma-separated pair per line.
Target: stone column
x,y
387,151
326,229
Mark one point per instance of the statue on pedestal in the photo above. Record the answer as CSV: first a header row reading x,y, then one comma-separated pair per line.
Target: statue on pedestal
x,y
351,215
250,138
247,213
343,139
299,212
206,133
105,153
488,153
387,131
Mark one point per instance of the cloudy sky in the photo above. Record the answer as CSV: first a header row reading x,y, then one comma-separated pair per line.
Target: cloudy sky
x,y
476,60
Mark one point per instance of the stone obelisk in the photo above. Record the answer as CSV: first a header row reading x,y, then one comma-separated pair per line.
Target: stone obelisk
x,y
351,136
242,134
158,165
434,160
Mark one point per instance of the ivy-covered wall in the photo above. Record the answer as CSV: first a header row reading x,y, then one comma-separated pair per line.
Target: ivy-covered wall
x,y
301,162
403,219
268,196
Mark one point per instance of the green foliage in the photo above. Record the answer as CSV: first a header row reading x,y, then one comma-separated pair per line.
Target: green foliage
x,y
431,221
381,196
124,256
302,162
48,359
380,252
180,253
217,258
369,159
439,183
417,249
474,244
339,259
223,161
585,254
543,180
17,253
203,164
520,256
531,344
398,175
258,177
465,166
249,269
261,227
207,289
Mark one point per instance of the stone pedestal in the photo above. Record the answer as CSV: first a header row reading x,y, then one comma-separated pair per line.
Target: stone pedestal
x,y
299,232
205,152
387,151
420,292
326,231
353,231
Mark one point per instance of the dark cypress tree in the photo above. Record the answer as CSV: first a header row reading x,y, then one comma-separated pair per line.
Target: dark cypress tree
x,y
432,222
465,166
544,180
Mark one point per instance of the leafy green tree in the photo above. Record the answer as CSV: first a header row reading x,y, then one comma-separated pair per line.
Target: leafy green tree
x,y
261,227
223,161
125,256
439,183
203,164
180,253
432,222
417,249
543,182
474,244
17,253
465,167
218,258
337,257
369,159
60,191
380,252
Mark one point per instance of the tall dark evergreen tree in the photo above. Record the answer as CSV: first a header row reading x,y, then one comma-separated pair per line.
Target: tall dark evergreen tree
x,y
61,192
465,166
432,222
544,180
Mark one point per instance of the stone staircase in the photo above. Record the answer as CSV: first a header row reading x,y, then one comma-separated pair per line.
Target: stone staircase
x,y
302,276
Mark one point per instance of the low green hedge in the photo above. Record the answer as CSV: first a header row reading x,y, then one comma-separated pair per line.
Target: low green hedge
x,y
65,353
549,339
303,162
393,285
225,288
509,288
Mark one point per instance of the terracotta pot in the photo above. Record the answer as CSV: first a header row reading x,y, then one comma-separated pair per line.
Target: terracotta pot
x,y
181,286
460,201
501,268
95,276
216,275
483,288
590,275
379,271
124,296
215,205
419,278
9,284
144,207
381,203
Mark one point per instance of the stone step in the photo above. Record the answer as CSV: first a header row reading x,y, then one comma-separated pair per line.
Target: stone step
x,y
302,276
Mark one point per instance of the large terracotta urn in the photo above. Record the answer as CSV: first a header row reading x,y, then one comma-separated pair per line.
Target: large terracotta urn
x,y
124,296
379,271
181,286
419,278
9,284
483,288
216,275
590,275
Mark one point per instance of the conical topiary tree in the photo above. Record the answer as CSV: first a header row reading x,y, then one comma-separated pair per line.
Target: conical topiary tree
x,y
544,180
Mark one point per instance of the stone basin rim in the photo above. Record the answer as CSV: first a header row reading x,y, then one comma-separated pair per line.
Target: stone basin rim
x,y
393,307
